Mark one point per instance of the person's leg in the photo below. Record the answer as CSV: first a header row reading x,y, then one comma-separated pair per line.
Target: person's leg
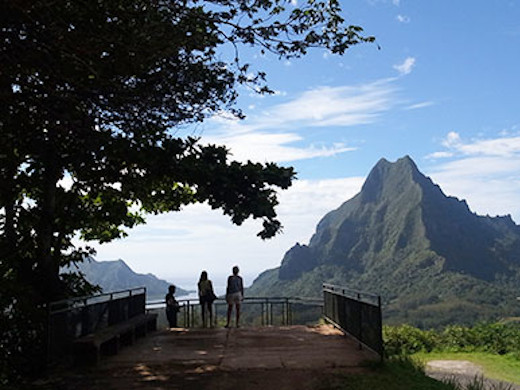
x,y
210,310
203,313
229,309
172,319
237,308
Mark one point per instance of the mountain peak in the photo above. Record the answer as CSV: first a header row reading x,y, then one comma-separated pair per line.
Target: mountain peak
x,y
403,162
390,177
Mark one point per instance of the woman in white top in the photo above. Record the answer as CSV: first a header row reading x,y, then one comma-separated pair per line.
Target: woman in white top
x,y
234,295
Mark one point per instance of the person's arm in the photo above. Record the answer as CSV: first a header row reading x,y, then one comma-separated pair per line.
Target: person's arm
x,y
228,281
241,286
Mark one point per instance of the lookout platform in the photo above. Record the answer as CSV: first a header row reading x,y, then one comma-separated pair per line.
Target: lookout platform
x,y
278,358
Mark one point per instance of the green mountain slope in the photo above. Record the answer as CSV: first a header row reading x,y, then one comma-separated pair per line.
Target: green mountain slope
x,y
117,275
432,259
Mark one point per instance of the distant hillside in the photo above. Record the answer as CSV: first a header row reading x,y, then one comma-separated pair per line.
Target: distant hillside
x,y
433,261
117,275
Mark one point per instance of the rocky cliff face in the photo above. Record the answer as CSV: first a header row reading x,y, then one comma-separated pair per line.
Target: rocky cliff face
x,y
402,237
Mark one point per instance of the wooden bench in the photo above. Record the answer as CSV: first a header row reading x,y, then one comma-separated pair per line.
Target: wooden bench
x,y
107,341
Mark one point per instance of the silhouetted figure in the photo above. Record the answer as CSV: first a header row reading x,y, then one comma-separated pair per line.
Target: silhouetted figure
x,y
234,295
206,298
172,307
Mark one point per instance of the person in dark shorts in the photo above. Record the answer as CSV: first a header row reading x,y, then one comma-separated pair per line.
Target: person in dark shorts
x,y
234,295
172,307
206,298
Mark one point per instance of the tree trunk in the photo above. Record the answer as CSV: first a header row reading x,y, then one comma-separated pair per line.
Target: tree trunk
x,y
47,275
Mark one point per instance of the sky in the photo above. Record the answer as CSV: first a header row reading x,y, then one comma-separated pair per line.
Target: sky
x,y
442,85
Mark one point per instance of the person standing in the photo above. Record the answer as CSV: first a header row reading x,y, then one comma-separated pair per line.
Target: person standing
x,y
172,307
206,298
234,295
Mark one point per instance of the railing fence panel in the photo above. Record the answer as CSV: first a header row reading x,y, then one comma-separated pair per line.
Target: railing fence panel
x,y
356,313
72,318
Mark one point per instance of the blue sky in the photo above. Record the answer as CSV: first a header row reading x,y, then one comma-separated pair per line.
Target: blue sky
x,y
444,88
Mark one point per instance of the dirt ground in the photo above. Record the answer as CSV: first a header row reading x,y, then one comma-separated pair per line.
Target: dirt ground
x,y
278,358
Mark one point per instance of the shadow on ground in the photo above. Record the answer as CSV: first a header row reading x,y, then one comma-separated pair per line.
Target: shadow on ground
x,y
278,358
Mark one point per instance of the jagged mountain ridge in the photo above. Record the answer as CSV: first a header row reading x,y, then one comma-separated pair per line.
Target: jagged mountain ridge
x,y
116,275
402,237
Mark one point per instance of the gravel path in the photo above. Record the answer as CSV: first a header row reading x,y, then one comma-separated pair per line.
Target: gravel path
x,y
465,373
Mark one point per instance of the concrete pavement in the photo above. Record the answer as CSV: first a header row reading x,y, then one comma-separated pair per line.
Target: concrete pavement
x,y
291,357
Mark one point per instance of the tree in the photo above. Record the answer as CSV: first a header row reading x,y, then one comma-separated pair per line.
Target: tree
x,y
92,93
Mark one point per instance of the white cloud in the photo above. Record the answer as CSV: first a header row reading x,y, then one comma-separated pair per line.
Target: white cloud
x,y
483,171
513,130
505,147
502,146
419,105
274,147
344,106
402,19
491,185
438,155
406,67
277,133
451,140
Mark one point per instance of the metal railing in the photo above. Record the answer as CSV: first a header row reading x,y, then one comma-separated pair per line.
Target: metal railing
x,y
262,311
72,318
355,313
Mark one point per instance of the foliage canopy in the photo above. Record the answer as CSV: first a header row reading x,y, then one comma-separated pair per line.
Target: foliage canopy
x,y
92,93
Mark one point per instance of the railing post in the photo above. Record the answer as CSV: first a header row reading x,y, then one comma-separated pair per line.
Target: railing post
x,y
286,312
360,319
189,309
382,345
192,320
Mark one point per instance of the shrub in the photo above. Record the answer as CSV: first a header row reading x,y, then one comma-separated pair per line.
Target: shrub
x,y
406,340
458,338
497,338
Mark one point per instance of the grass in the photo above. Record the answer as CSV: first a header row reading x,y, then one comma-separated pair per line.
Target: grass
x,y
500,367
395,374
